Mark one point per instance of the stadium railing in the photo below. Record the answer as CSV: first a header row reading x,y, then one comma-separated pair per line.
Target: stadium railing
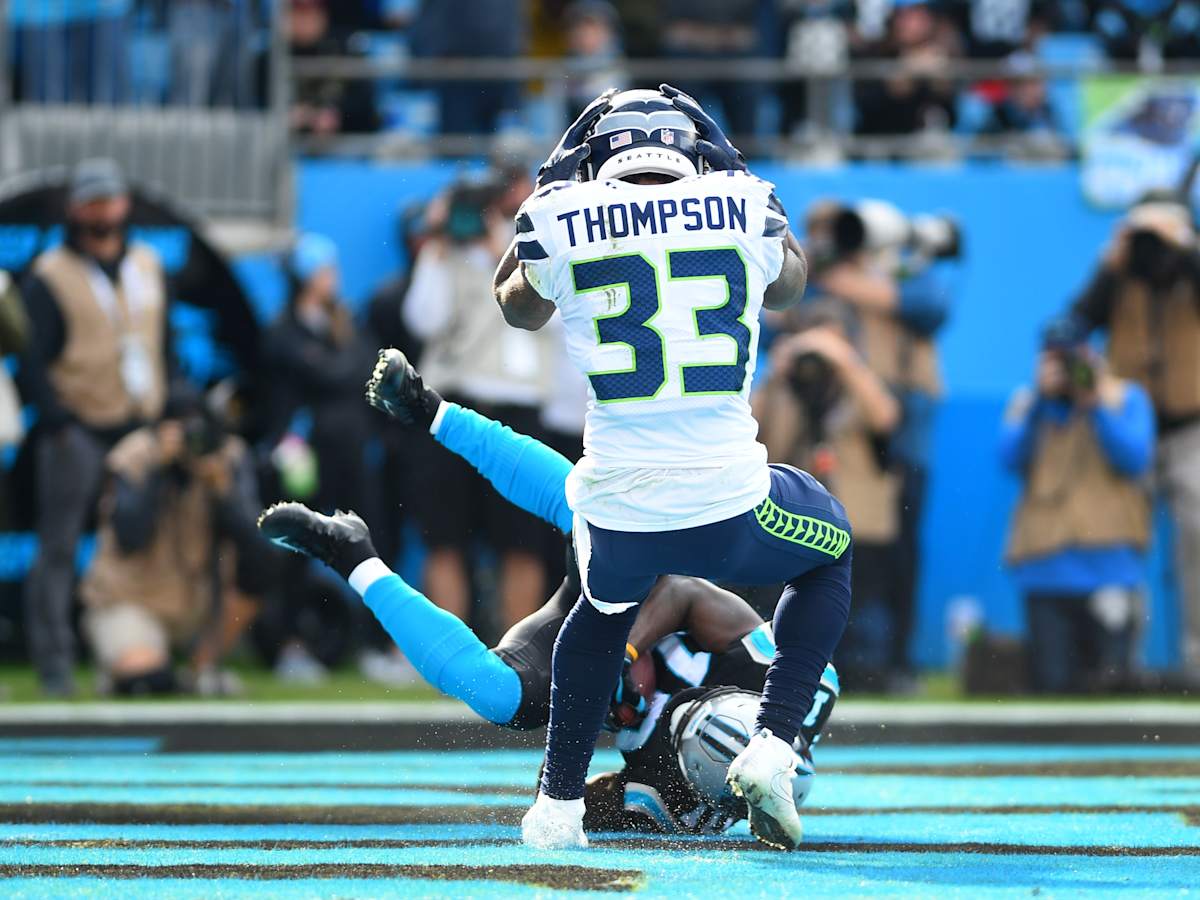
x,y
826,133
210,131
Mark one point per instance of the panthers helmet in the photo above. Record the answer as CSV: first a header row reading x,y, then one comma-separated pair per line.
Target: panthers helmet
x,y
709,732
642,133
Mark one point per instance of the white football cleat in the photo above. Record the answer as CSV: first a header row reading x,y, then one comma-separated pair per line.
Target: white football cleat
x,y
763,776
554,824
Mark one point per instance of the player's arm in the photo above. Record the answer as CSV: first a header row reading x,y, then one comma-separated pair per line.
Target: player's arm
x,y
522,306
788,288
722,156
714,618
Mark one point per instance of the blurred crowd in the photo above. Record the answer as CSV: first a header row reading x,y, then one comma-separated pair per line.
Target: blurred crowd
x,y
217,53
171,477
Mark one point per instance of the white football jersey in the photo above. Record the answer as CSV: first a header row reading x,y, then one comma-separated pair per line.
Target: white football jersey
x,y
660,289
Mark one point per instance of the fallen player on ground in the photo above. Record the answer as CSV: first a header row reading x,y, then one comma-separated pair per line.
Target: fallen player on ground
x,y
709,650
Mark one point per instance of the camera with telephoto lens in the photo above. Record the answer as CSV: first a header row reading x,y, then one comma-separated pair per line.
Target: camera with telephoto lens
x,y
875,225
1066,338
469,199
810,373
1149,255
1161,235
202,435
814,384
1081,374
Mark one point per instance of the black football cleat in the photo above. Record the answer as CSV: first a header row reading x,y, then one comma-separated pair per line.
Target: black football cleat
x,y
396,388
341,541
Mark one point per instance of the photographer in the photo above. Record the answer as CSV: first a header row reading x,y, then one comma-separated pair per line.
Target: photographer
x,y
1146,297
823,409
316,363
96,367
501,372
179,562
1082,441
890,273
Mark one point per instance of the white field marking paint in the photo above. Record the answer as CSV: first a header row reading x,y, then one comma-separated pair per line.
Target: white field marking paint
x,y
848,712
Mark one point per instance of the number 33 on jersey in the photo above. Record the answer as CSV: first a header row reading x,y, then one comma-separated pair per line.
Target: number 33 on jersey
x,y
659,288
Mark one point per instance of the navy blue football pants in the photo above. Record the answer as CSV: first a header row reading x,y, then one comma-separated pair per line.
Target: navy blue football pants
x,y
798,536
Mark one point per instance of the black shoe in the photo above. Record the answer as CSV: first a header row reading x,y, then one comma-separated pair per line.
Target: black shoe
x,y
396,388
59,686
341,541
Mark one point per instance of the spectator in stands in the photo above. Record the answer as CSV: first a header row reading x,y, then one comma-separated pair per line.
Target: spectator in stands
x,y
714,31
179,561
857,257
1145,296
466,29
71,52
14,333
824,410
918,97
96,369
1024,106
385,324
449,307
213,44
323,106
317,364
594,55
998,28
1082,441
817,37
1023,114
1149,30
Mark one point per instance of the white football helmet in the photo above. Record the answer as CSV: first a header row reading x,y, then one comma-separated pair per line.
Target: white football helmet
x,y
711,731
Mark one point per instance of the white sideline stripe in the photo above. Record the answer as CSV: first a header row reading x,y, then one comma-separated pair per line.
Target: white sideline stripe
x,y
187,712
1017,713
848,712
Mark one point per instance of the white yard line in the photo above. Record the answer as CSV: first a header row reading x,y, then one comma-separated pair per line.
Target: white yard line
x,y
849,712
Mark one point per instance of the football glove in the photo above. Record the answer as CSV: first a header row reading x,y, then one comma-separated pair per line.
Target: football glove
x,y
628,708
564,160
713,146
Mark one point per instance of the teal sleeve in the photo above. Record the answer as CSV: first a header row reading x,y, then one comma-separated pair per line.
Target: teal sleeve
x,y
525,471
444,650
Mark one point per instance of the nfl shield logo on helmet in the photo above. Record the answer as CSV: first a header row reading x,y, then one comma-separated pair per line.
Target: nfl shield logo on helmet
x,y
622,139
668,136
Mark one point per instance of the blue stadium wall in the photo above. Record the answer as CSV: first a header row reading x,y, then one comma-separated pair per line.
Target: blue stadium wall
x,y
1031,242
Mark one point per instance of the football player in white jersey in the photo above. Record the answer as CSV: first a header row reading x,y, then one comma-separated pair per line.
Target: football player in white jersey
x,y
658,248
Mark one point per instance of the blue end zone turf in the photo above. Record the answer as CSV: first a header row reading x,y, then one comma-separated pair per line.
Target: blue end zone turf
x,y
107,817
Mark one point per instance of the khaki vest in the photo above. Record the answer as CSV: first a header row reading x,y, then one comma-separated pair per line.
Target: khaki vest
x,y
1074,498
897,355
1157,344
171,576
845,463
87,373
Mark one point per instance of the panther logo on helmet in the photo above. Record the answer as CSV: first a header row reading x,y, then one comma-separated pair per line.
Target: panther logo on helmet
x,y
711,731
642,133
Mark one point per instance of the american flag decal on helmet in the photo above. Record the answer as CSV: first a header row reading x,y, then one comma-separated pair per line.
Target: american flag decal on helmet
x,y
622,139
668,136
